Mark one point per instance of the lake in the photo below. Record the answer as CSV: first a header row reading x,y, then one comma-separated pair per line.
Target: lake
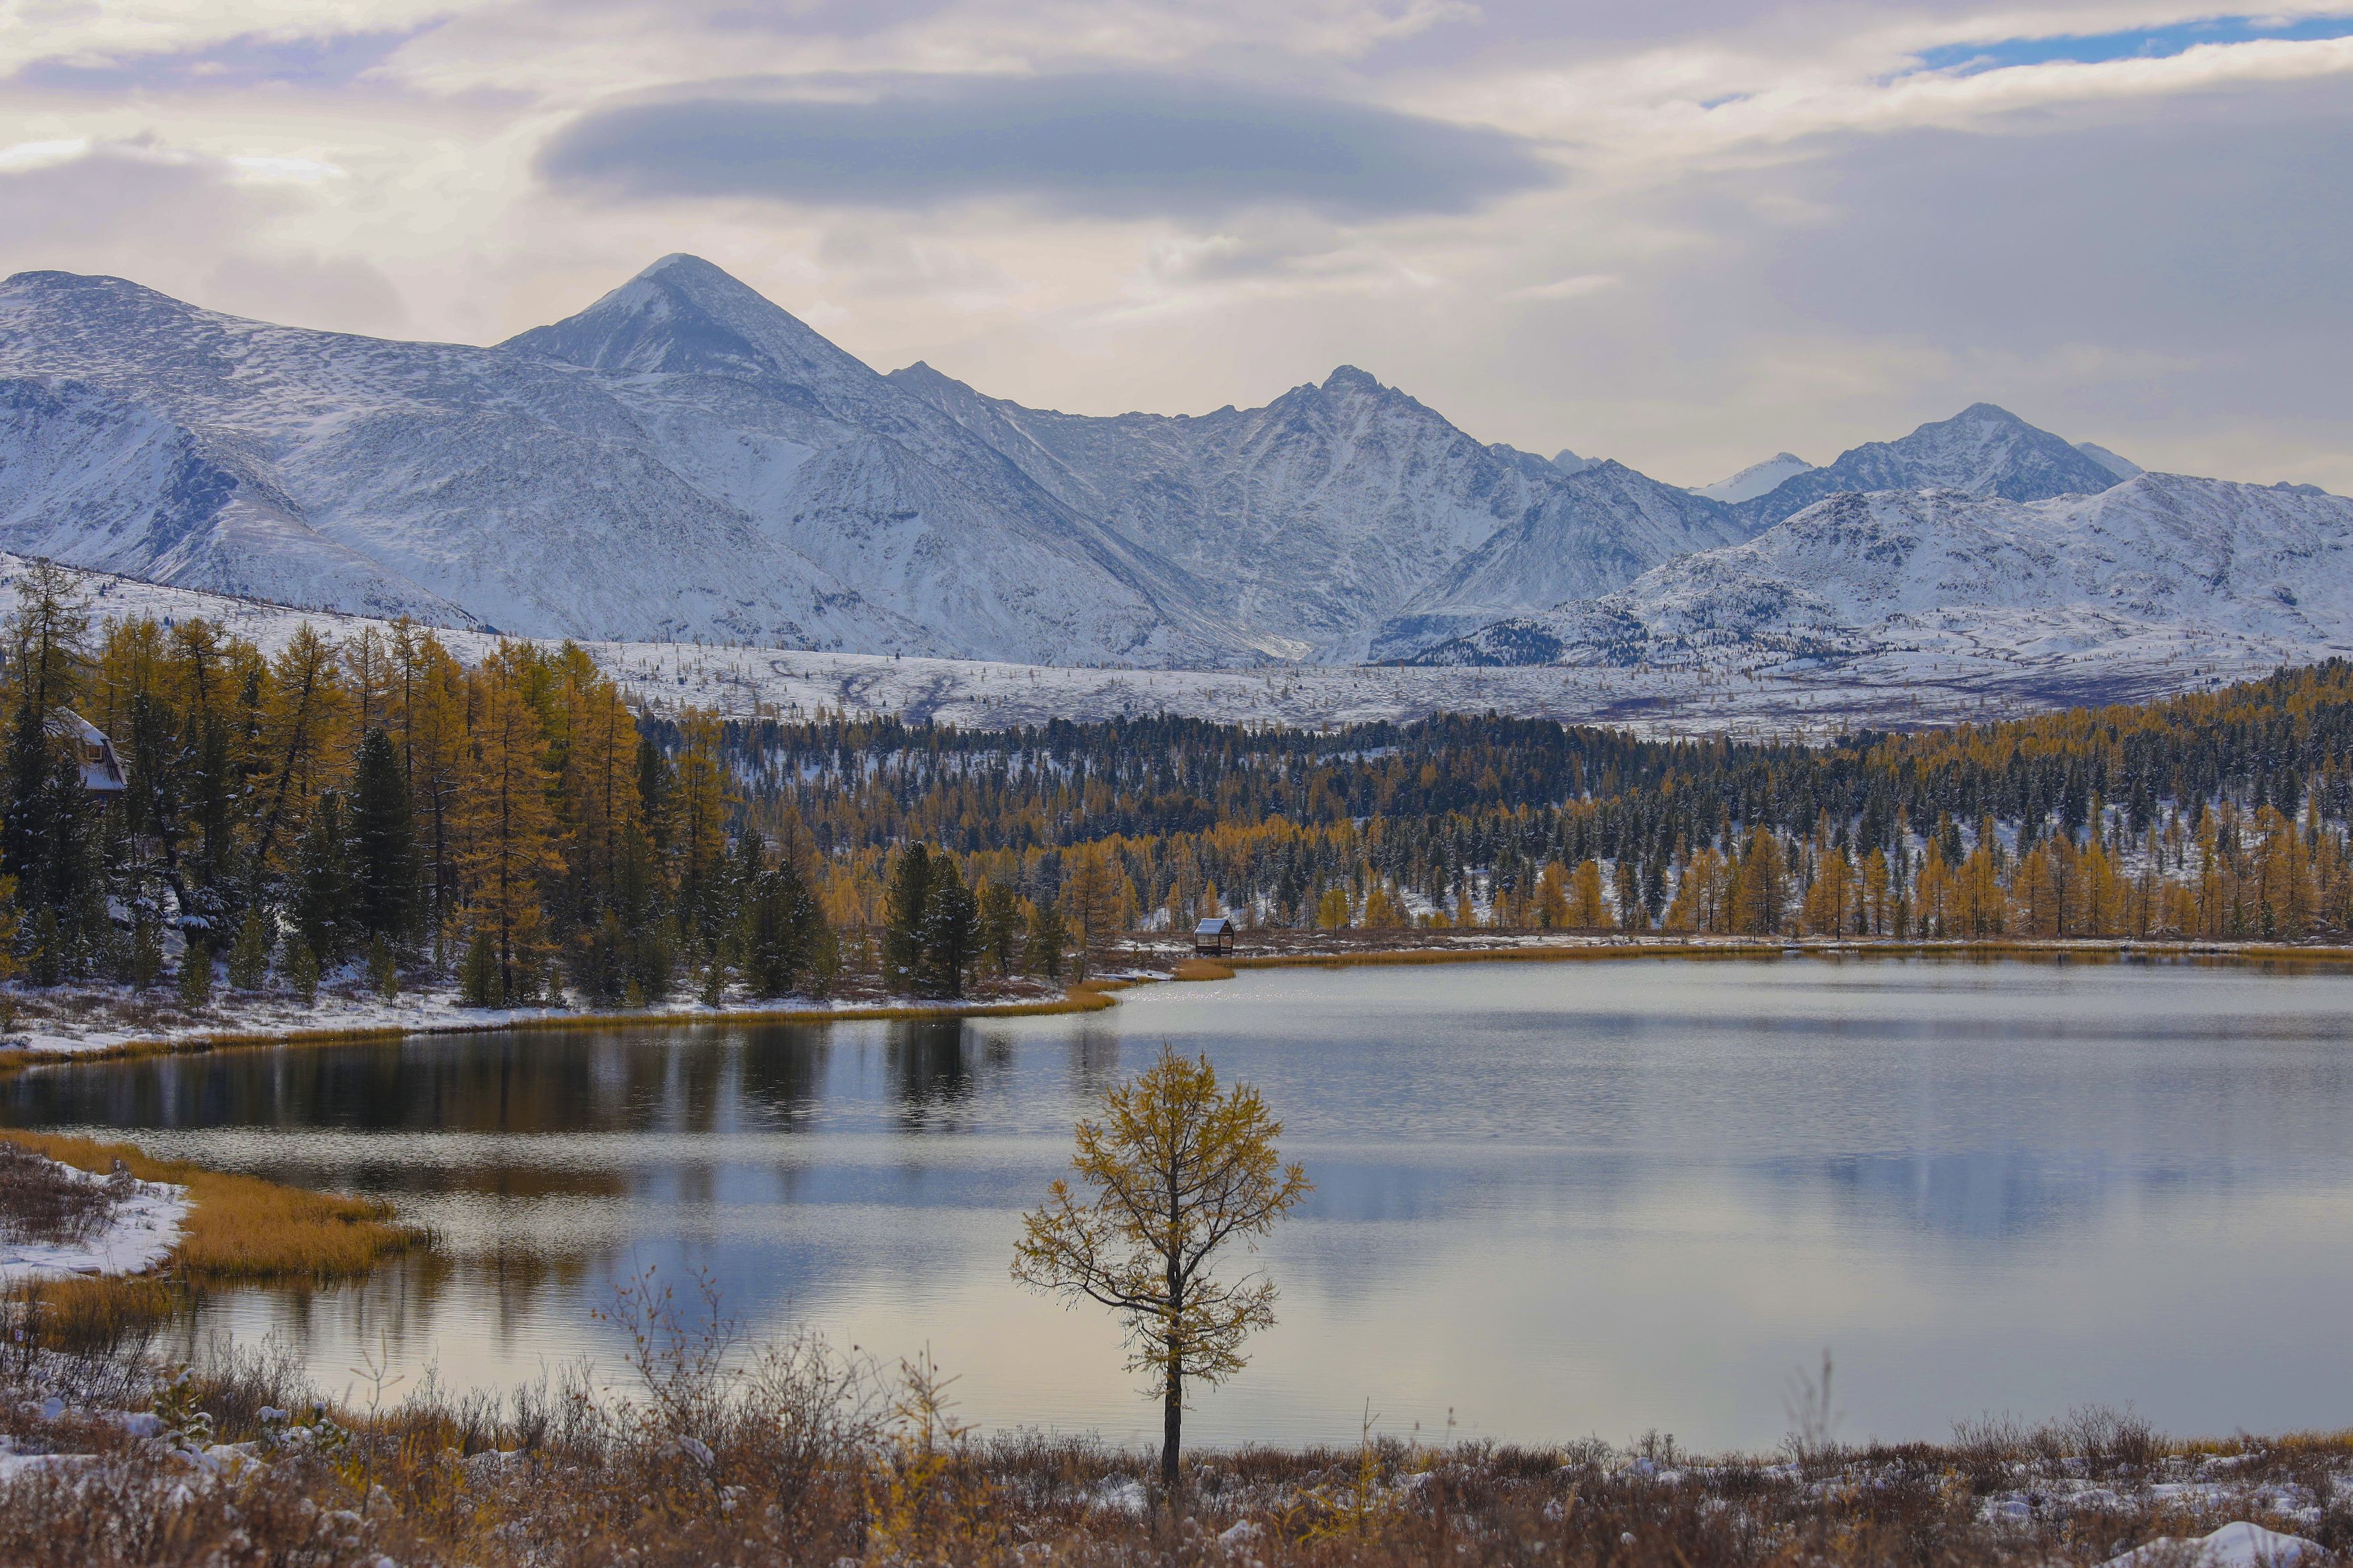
x,y
1552,1200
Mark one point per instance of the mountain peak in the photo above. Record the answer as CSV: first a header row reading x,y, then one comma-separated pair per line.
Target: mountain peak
x,y
683,316
1348,378
1984,451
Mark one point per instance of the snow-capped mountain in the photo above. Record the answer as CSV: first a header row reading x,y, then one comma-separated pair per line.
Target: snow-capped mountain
x,y
755,483
1981,451
1867,574
682,459
1755,480
1569,462
1346,517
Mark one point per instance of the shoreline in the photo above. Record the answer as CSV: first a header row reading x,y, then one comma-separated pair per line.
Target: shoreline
x,y
1176,963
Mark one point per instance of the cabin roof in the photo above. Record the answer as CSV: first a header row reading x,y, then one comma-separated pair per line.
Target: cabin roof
x,y
1214,925
101,770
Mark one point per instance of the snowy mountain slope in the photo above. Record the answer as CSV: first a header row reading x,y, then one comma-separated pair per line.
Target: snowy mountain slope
x,y
757,483
1569,462
89,478
1598,530
1346,517
2204,563
1997,664
1981,451
1755,480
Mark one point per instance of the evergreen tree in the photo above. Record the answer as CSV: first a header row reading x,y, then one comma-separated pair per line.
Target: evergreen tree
x,y
1041,950
1000,925
950,929
382,842
146,966
248,959
902,918
302,971
384,967
323,895
480,980
195,977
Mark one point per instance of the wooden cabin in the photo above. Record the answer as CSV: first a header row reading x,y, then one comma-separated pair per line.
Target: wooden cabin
x,y
101,773
1214,937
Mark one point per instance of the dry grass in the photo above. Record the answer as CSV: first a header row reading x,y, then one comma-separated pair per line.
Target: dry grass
x,y
1202,969
242,1227
720,1453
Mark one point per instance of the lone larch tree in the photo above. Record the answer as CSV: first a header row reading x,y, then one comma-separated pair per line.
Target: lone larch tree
x,y
1173,1171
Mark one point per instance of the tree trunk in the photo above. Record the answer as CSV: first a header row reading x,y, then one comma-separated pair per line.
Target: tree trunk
x,y
1172,1426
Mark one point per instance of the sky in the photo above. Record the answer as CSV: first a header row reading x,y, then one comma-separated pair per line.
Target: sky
x,y
1684,235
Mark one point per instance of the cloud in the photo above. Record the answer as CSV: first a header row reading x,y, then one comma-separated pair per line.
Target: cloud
x,y
248,61
1101,145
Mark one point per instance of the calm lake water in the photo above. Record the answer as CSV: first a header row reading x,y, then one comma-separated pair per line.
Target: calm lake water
x,y
1552,1200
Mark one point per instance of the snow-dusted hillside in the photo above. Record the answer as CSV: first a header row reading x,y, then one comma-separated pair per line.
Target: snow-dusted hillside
x,y
1982,666
2207,570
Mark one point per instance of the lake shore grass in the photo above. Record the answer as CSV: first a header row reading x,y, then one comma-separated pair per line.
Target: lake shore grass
x,y
241,1228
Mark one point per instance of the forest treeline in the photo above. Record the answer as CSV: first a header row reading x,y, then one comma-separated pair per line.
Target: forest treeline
x,y
2216,814
515,826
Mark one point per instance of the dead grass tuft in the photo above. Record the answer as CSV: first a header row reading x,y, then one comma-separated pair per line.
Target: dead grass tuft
x,y
1202,969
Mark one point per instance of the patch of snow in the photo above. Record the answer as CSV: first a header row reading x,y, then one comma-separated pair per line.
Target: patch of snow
x,y
2239,1545
140,1233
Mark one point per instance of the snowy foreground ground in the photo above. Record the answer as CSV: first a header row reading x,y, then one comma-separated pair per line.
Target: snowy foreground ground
x,y
1920,670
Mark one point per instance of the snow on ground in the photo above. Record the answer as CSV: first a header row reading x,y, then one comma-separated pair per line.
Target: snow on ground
x,y
1943,669
139,1231
2239,1545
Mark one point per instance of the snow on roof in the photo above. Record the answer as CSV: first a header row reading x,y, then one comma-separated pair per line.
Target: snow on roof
x,y
1215,925
100,771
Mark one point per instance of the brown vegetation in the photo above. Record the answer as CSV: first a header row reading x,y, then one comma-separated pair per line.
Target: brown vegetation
x,y
714,1452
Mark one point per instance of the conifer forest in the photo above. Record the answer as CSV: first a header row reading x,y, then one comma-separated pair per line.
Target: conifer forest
x,y
516,830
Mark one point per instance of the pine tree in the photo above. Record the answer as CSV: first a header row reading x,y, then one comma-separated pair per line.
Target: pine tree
x,y
1042,947
322,897
1000,925
302,971
950,929
195,977
382,842
903,919
146,966
482,981
248,958
384,968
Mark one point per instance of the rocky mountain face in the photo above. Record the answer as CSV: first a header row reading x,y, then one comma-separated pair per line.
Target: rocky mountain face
x,y
1868,574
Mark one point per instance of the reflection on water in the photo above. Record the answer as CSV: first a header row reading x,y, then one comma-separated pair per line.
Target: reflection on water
x,y
1551,1200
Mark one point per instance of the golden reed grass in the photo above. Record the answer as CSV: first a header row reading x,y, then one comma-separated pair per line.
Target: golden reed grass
x,y
242,1227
